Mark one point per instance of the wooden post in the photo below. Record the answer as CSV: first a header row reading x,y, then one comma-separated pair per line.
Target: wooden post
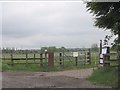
x,y
60,55
50,59
41,59
100,47
63,58
11,59
34,58
46,58
106,58
26,57
84,56
108,52
76,61
89,56
100,52
4,58
101,62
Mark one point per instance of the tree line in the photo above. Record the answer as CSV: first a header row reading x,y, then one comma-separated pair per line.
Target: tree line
x,y
42,49
94,47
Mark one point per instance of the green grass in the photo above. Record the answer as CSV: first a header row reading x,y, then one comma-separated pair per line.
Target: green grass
x,y
38,68
0,66
105,76
18,67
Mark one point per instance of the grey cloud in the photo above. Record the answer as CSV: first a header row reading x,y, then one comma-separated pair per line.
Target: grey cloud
x,y
48,24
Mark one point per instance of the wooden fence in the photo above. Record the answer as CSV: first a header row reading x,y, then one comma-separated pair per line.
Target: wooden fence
x,y
111,59
47,59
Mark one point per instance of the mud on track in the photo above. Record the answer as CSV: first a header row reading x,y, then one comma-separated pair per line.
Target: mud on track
x,y
61,79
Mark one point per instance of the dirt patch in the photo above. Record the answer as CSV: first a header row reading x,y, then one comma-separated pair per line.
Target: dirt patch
x,y
61,79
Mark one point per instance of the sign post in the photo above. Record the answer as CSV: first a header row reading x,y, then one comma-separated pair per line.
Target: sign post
x,y
104,56
75,54
46,63
100,55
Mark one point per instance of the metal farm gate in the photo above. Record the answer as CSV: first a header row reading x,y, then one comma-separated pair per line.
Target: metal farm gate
x,y
69,58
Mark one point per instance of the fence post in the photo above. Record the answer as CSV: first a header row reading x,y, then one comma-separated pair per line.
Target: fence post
x,y
101,55
4,58
11,58
63,58
46,58
106,58
34,58
100,47
26,57
88,56
76,61
41,59
50,59
106,62
84,56
60,55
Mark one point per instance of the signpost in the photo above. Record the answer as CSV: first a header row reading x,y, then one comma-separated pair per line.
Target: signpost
x,y
103,52
75,54
100,54
104,55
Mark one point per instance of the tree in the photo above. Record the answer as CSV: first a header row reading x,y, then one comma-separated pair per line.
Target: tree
x,y
43,49
52,48
94,47
62,49
107,16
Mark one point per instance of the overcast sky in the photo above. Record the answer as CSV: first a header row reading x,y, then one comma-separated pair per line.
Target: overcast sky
x,y
43,24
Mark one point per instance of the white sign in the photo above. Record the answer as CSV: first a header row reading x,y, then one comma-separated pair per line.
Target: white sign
x,y
75,54
101,61
104,50
101,58
45,50
101,55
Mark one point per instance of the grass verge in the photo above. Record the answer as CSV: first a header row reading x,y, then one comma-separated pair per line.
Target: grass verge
x,y
105,76
37,68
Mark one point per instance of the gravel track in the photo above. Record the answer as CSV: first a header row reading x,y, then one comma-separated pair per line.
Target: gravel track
x,y
60,79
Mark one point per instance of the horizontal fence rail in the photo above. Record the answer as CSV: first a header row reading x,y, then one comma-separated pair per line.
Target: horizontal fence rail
x,y
110,61
22,58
